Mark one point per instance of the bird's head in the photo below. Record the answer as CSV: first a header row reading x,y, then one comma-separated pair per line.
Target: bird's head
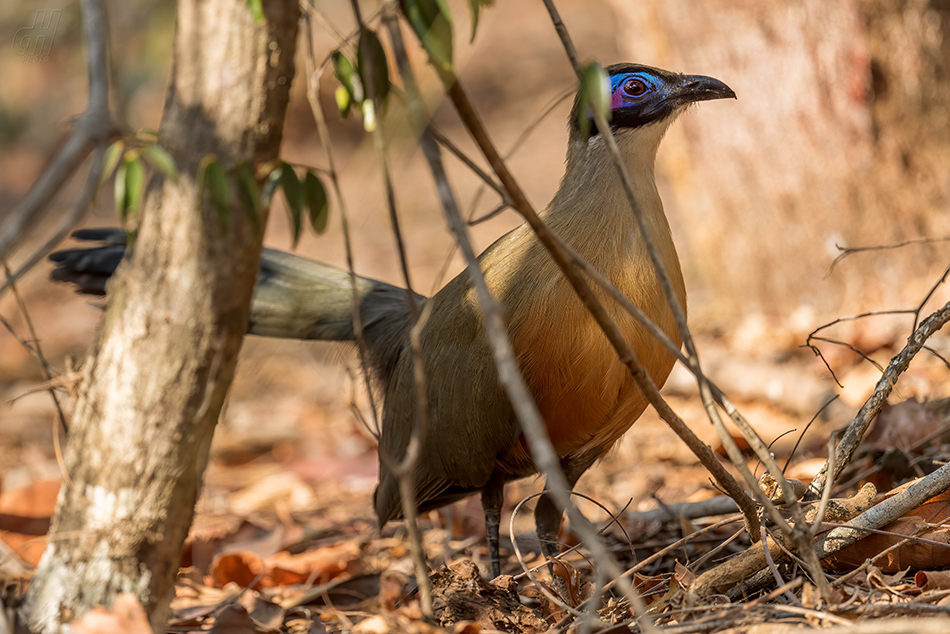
x,y
642,95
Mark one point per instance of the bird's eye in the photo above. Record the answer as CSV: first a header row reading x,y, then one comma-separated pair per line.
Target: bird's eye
x,y
634,87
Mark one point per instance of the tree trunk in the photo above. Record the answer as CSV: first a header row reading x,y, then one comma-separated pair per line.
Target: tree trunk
x,y
157,375
839,135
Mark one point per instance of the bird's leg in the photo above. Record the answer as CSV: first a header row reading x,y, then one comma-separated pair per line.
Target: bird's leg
x,y
492,498
547,514
547,519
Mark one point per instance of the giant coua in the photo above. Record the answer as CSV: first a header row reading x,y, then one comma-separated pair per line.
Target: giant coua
x,y
585,394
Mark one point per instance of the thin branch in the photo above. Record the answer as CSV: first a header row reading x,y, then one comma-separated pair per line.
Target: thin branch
x,y
858,426
797,532
817,351
801,436
488,216
405,470
70,220
718,548
529,572
94,129
547,110
37,351
848,251
885,512
692,361
570,264
850,347
930,293
313,85
779,581
845,578
657,556
445,142
509,374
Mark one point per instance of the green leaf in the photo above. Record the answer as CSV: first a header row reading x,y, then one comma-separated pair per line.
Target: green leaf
x,y
369,115
129,183
161,160
134,183
317,202
201,180
121,201
345,72
372,64
113,154
593,96
343,100
249,195
293,192
271,183
475,5
432,22
257,10
220,191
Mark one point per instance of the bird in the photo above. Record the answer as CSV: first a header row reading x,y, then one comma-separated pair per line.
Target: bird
x,y
585,394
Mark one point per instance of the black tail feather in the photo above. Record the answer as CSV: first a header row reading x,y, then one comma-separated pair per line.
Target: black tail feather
x,y
107,235
89,269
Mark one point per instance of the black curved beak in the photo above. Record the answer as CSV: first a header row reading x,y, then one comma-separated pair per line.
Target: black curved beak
x,y
701,88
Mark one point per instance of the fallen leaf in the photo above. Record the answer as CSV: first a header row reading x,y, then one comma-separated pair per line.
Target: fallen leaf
x,y
242,568
902,426
345,591
265,614
887,583
650,588
279,490
684,575
283,569
914,555
314,566
392,589
24,518
928,580
468,597
234,619
372,625
805,470
127,616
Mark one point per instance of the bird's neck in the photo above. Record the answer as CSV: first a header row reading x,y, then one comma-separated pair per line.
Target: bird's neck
x,y
591,210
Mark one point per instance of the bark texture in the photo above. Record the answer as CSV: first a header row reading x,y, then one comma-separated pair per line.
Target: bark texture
x,y
839,135
162,363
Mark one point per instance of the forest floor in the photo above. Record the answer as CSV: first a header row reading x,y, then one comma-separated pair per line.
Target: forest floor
x,y
285,538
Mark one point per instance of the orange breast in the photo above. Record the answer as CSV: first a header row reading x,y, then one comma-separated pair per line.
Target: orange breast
x,y
586,396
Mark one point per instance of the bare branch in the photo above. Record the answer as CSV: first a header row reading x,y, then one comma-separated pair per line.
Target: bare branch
x,y
885,512
70,220
797,531
445,142
405,470
509,374
314,73
679,315
858,426
848,251
94,129
35,349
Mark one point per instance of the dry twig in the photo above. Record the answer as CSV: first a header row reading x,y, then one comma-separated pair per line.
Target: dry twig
x,y
93,131
854,432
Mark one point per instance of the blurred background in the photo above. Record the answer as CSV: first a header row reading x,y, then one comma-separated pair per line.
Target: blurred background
x,y
840,137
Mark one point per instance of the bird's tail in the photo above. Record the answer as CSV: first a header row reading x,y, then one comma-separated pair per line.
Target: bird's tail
x,y
294,298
